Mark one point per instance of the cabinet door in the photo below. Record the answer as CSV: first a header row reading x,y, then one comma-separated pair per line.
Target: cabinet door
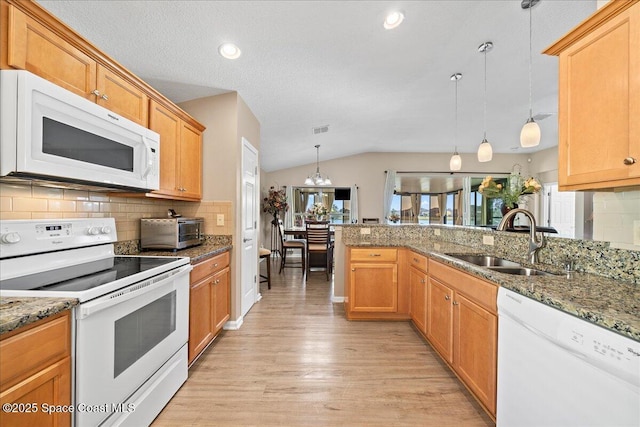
x,y
418,285
121,96
440,318
475,336
221,290
201,316
167,124
374,287
599,106
190,178
50,386
35,48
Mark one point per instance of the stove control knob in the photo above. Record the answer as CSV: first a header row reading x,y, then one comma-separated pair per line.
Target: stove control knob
x,y
10,238
93,231
105,230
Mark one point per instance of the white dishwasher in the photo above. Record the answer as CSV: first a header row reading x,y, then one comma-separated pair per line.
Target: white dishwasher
x,y
555,369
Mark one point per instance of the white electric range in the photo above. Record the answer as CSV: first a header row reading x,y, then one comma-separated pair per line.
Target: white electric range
x,y
130,326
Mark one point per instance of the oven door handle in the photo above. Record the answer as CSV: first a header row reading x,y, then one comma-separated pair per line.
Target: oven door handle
x,y
133,291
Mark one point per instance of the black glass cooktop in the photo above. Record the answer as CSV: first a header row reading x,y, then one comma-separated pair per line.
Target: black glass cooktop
x,y
85,276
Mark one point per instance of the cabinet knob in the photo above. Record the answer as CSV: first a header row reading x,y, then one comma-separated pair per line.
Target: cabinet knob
x,y
96,92
374,254
422,281
455,303
215,282
415,260
447,297
353,269
629,161
105,97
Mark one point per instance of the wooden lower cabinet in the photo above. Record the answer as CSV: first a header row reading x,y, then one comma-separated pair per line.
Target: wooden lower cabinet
x,y
463,328
440,331
35,373
418,287
373,288
209,304
475,343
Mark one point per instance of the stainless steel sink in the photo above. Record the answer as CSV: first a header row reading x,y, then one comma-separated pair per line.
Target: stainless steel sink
x,y
485,260
521,271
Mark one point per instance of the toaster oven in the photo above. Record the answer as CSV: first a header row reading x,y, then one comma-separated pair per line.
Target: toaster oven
x,y
171,233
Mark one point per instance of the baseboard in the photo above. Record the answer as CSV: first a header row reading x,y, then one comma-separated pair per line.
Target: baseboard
x,y
233,325
336,299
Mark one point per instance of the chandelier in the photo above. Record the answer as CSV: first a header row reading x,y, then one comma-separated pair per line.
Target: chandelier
x,y
316,178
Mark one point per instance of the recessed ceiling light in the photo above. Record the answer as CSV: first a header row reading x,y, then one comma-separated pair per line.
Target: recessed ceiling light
x,y
229,51
393,20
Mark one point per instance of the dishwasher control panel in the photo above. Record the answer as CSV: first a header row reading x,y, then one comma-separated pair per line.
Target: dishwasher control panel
x,y
604,349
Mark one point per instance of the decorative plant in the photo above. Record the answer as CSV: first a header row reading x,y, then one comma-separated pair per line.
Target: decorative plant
x,y
275,202
394,216
318,209
510,194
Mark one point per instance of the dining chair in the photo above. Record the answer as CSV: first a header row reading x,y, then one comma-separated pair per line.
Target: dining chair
x,y
292,244
265,254
319,242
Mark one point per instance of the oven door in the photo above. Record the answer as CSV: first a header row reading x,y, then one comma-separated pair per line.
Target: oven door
x,y
123,338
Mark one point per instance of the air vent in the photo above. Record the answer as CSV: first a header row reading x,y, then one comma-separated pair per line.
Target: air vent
x,y
321,129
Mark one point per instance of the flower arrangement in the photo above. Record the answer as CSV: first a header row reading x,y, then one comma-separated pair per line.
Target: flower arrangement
x,y
318,209
275,202
394,216
510,195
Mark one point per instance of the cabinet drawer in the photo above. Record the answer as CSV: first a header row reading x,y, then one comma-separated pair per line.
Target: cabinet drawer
x,y
479,291
374,254
418,261
209,266
29,351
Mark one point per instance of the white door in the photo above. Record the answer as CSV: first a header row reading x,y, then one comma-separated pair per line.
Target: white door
x,y
560,210
249,221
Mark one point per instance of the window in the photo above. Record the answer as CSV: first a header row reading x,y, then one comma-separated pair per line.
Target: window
x,y
336,199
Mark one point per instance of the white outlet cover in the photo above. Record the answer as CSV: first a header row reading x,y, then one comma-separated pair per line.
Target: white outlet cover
x,y
365,231
487,240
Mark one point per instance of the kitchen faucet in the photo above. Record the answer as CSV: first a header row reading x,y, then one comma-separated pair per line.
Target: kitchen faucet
x,y
534,244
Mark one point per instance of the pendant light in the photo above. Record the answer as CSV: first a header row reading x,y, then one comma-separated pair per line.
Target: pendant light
x,y
530,133
316,178
485,152
456,161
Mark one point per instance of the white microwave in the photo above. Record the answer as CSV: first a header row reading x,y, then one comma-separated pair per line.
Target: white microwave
x,y
54,137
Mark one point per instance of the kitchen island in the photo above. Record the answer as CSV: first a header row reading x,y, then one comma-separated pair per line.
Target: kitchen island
x,y
609,303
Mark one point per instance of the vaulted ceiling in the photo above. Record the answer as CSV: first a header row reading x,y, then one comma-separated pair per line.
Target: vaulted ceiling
x,y
306,64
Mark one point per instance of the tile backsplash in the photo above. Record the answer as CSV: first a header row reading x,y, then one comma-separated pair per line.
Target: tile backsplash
x,y
31,202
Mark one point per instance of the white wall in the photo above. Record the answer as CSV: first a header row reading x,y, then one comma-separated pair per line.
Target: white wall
x,y
367,171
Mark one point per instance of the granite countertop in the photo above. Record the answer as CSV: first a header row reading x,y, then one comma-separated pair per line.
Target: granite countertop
x,y
16,312
196,253
612,304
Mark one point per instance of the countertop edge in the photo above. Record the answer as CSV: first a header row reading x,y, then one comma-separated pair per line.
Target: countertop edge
x,y
16,312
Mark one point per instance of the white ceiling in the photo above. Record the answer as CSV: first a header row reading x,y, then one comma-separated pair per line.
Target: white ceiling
x,y
311,63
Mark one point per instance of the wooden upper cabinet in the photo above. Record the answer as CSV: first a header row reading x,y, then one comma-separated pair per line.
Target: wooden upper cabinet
x,y
190,161
180,154
121,96
599,100
35,48
167,124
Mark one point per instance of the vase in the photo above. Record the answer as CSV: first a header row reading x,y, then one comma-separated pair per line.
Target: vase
x,y
504,209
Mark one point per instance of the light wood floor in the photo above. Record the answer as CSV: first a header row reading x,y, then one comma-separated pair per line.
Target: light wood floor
x,y
297,361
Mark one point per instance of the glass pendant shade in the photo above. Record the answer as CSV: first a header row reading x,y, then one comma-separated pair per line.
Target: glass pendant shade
x,y
308,181
530,134
455,164
485,152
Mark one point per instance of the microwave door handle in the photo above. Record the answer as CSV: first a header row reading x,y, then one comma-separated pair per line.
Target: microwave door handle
x,y
149,157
